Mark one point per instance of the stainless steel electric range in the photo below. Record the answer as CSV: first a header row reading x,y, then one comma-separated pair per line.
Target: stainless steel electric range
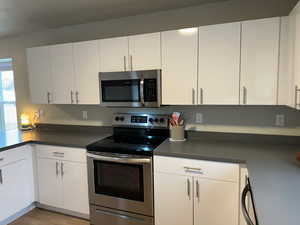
x,y
120,170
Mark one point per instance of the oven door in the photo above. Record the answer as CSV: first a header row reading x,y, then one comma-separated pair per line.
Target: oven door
x,y
121,182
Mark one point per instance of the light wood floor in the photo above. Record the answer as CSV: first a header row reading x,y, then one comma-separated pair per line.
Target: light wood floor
x,y
43,217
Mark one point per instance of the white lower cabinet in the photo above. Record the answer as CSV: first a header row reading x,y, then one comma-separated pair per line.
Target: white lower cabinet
x,y
16,181
62,178
173,203
190,196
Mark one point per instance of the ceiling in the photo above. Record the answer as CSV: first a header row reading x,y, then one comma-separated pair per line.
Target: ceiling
x,y
23,16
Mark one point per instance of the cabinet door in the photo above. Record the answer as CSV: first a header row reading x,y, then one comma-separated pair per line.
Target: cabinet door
x,y
173,199
219,64
15,188
259,61
75,187
62,70
50,184
216,202
145,52
179,66
86,62
295,48
114,54
39,73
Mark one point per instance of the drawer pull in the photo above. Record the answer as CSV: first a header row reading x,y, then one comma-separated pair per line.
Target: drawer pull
x,y
188,188
58,154
193,170
1,177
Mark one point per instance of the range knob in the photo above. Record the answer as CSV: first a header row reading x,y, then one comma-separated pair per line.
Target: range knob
x,y
151,120
117,118
156,120
162,120
122,118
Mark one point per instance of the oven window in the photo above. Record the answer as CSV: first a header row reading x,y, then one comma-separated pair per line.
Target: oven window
x,y
121,90
119,180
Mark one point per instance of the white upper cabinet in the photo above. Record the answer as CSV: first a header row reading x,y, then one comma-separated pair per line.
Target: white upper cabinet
x,y
144,52
114,54
86,62
38,62
179,66
259,61
62,70
219,64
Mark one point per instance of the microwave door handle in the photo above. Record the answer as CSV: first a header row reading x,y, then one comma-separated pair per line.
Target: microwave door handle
x,y
142,91
120,160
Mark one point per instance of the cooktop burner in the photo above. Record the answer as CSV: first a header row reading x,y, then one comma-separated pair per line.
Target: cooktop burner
x,y
136,134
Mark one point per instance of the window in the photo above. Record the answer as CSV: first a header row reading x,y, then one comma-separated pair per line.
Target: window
x,y
8,112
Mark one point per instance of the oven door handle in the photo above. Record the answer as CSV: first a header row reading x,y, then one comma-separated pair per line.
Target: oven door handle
x,y
120,160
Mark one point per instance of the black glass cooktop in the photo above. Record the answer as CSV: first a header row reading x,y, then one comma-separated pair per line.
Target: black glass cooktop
x,y
135,141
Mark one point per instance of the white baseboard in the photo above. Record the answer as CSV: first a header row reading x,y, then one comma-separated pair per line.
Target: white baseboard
x,y
63,211
18,215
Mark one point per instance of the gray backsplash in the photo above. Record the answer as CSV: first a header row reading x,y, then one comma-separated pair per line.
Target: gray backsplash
x,y
260,116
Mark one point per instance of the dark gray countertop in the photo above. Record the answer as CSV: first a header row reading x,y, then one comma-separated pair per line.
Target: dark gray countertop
x,y
273,169
55,135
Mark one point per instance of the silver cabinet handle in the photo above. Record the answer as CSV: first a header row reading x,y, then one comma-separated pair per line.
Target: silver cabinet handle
x,y
1,177
296,97
1,159
124,63
48,97
201,96
193,170
62,169
72,100
244,95
197,190
193,96
131,63
58,154
77,97
57,169
188,183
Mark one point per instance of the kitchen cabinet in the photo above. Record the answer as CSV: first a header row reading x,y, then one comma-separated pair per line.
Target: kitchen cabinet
x,y
219,64
294,56
259,61
114,54
179,66
62,178
16,181
86,64
169,190
62,72
39,74
208,192
145,52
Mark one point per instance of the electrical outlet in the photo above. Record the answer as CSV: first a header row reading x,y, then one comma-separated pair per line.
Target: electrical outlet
x,y
84,115
41,113
280,120
199,118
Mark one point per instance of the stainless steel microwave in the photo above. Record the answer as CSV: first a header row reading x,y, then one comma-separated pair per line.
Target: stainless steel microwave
x,y
131,89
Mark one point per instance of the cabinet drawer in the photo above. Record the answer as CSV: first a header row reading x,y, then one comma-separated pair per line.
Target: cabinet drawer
x,y
13,155
61,153
198,168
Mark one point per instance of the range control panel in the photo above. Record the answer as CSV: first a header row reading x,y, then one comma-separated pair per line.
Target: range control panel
x,y
141,120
